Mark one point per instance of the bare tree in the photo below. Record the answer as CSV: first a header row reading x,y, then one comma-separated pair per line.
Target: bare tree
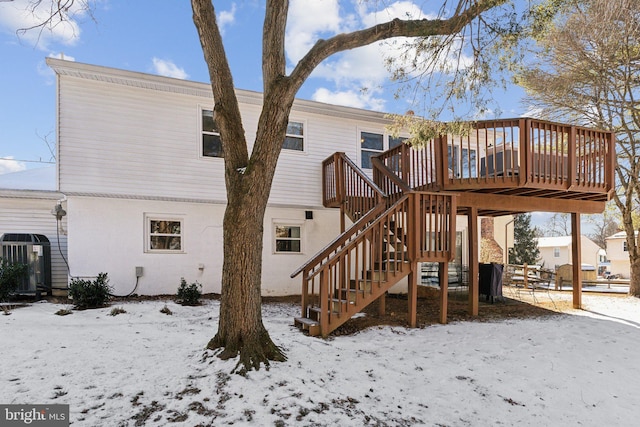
x,y
604,225
559,224
432,42
587,71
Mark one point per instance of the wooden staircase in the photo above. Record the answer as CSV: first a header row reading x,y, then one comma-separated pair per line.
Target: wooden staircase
x,y
392,232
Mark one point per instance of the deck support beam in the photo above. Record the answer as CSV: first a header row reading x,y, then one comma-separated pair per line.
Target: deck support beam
x,y
412,295
474,288
443,275
576,260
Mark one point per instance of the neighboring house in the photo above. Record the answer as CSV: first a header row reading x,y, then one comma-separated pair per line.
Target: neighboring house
x,y
556,251
618,254
139,164
26,201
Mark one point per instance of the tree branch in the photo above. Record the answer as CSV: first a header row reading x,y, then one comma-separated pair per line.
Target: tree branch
x,y
226,109
395,28
273,35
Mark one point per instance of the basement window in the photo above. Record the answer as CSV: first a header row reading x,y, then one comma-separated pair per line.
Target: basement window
x,y
164,235
288,238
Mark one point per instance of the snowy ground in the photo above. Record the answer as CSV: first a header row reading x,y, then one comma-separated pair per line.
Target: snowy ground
x,y
144,367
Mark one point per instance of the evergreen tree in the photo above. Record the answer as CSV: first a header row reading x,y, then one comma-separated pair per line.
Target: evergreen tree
x,y
525,245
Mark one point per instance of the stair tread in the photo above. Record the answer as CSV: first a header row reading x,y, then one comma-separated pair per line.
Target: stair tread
x,y
307,321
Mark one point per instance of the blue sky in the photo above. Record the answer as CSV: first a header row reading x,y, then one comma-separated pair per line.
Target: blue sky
x,y
159,37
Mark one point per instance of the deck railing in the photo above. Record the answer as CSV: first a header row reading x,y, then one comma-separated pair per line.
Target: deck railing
x,y
510,153
347,187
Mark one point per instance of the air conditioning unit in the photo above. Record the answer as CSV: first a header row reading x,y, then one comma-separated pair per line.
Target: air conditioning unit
x,y
34,250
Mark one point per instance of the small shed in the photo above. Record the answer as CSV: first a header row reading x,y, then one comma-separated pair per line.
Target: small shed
x,y
564,274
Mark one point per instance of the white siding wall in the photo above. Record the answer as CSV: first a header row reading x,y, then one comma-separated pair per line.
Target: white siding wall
x,y
128,141
108,235
123,140
33,216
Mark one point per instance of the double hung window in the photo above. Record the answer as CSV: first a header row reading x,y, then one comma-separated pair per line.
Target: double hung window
x,y
164,234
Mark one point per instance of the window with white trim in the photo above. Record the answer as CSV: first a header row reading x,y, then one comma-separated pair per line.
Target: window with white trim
x,y
294,140
288,238
164,234
556,252
211,142
373,143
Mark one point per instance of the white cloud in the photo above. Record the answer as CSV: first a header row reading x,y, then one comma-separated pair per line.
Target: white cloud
x,y
168,69
309,20
349,98
226,18
350,71
8,165
21,14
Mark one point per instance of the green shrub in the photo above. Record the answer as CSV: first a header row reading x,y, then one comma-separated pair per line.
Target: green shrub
x,y
10,275
189,294
90,294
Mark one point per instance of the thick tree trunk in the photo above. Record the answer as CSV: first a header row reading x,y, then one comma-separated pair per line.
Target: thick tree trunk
x,y
634,283
248,178
240,330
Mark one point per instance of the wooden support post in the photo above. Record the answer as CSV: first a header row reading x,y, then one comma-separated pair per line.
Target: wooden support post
x,y
576,260
474,288
324,304
412,295
443,275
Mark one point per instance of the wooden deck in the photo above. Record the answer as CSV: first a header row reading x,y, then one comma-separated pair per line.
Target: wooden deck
x,y
515,165
406,213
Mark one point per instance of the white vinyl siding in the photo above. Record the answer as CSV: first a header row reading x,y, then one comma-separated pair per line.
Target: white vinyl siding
x,y
117,139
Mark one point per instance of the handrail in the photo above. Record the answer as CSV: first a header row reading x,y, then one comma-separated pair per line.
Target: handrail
x,y
346,186
368,227
341,239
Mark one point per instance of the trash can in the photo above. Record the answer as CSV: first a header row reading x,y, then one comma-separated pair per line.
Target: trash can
x,y
490,281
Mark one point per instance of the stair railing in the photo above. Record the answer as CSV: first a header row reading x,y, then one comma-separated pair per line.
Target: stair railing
x,y
347,187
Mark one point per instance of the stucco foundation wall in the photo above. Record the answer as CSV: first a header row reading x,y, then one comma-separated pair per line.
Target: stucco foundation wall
x,y
108,235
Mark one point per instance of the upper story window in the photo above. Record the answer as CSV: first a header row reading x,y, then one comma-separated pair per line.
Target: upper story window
x,y
295,137
372,144
211,142
164,234
395,141
556,252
